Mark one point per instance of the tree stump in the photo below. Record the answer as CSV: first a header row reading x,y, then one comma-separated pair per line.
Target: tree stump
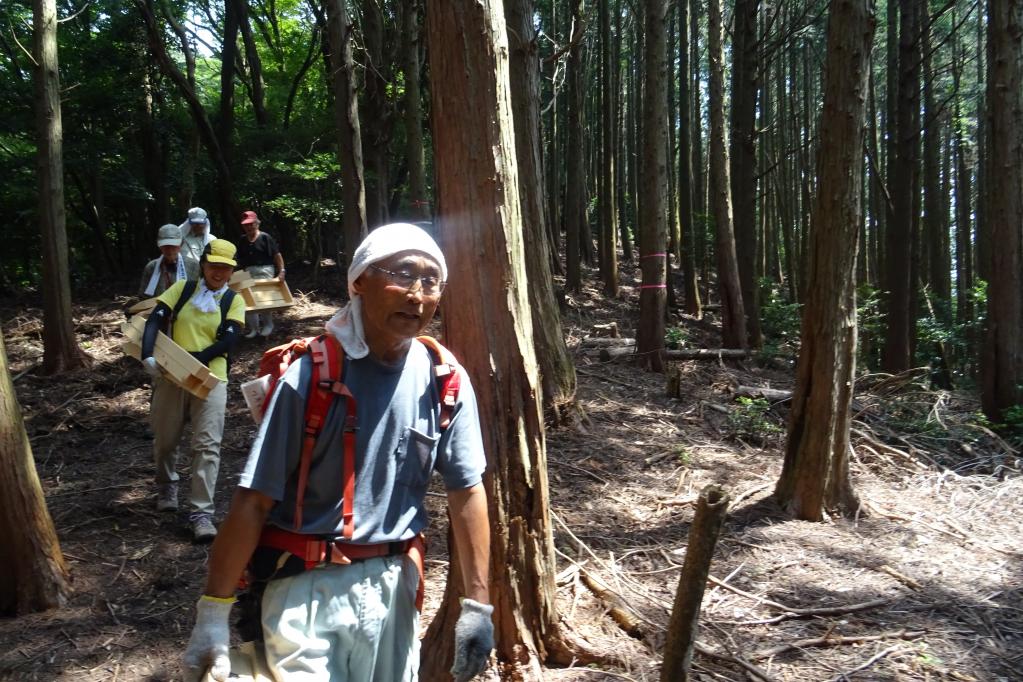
x,y
711,509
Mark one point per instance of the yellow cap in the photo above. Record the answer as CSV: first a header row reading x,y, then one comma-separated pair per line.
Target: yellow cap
x,y
220,251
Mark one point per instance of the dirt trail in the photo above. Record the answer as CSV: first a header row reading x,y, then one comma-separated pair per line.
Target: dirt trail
x,y
936,553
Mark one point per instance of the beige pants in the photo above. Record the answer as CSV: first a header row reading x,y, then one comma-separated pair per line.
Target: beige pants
x,y
170,407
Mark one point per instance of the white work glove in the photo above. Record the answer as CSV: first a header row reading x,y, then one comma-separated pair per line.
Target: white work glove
x,y
211,637
474,640
152,369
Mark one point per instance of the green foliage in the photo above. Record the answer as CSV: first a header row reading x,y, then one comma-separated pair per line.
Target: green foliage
x,y
675,337
779,318
751,420
870,325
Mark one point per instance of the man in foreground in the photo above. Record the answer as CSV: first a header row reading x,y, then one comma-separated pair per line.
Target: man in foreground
x,y
341,600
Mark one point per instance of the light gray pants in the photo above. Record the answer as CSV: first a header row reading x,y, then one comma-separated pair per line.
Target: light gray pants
x,y
257,320
170,406
353,623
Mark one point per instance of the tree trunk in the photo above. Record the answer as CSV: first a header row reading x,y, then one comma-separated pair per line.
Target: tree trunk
x,y
899,252
37,578
346,113
687,223
60,347
375,119
487,323
699,178
743,159
575,180
207,134
608,157
815,473
254,63
963,203
557,370
1002,357
653,228
733,318
418,203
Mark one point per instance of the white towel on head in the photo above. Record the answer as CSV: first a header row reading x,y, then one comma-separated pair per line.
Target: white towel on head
x,y
207,300
381,243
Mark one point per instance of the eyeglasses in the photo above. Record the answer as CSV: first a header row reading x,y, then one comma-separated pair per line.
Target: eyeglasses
x,y
429,285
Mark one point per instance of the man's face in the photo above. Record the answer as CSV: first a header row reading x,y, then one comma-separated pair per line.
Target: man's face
x,y
170,253
250,229
393,313
199,228
216,274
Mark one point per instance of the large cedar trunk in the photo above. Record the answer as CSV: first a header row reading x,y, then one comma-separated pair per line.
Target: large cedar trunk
x,y
418,203
1002,356
557,371
346,113
653,227
687,222
607,199
487,323
743,159
36,578
733,318
375,121
575,180
815,474
898,252
60,348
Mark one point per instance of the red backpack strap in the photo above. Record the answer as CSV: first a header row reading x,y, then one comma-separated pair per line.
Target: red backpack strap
x,y
449,380
325,383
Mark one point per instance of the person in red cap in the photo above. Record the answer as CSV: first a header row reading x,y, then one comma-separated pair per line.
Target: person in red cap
x,y
259,256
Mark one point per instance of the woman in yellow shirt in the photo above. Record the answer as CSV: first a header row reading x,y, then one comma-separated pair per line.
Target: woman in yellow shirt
x,y
207,324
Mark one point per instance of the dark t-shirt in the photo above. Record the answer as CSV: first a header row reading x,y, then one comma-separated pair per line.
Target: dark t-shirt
x,y
259,252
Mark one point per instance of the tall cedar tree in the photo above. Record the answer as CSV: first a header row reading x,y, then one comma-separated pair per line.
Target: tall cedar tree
x,y
653,205
733,317
1002,356
815,474
557,371
346,113
60,348
487,323
575,168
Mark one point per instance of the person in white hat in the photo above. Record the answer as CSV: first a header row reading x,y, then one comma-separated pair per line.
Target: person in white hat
x,y
160,273
196,233
339,600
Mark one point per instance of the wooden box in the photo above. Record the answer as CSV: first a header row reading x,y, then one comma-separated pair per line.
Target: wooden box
x,y
178,364
261,294
143,307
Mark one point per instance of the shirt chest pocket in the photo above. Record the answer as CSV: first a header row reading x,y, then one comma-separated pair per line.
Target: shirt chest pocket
x,y
415,456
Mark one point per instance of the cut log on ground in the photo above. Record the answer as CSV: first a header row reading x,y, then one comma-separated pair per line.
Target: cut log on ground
x,y
772,394
604,342
615,606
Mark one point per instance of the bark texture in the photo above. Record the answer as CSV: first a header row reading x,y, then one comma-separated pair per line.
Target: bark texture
x,y
487,323
1002,357
36,578
815,474
60,347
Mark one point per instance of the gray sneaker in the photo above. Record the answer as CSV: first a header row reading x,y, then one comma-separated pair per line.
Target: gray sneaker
x,y
203,529
167,497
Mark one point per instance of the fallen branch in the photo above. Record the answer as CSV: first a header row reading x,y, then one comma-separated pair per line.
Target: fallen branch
x,y
605,342
765,393
752,669
789,613
863,666
835,641
615,605
615,352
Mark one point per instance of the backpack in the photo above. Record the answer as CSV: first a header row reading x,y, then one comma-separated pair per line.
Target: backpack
x,y
225,307
328,360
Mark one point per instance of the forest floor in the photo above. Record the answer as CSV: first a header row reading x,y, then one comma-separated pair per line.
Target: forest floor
x,y
923,584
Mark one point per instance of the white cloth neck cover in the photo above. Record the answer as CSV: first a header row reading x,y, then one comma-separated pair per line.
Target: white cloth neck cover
x,y
381,243
155,277
205,300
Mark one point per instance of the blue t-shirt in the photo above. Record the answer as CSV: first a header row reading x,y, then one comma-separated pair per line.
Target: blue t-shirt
x,y
398,444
